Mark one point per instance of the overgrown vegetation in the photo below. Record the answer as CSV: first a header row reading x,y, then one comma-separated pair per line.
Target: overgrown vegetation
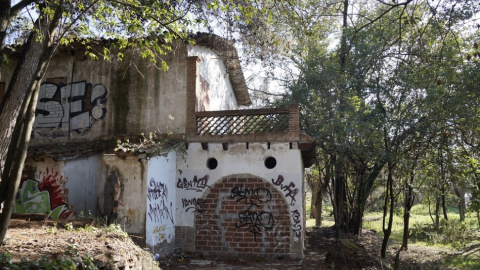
x,y
71,258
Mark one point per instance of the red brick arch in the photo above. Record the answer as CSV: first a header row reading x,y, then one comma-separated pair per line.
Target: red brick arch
x,y
243,215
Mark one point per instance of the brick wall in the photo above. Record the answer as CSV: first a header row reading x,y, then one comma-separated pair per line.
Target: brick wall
x,y
243,216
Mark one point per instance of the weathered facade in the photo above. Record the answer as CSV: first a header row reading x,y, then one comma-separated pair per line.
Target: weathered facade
x,y
234,185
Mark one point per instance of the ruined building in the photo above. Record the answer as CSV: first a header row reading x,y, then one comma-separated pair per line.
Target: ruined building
x,y
225,181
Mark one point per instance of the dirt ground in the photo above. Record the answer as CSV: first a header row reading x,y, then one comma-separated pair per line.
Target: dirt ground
x,y
34,239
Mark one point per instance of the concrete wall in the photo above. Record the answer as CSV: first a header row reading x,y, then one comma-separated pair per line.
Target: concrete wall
x,y
109,187
82,181
160,202
124,185
83,99
43,190
215,91
196,181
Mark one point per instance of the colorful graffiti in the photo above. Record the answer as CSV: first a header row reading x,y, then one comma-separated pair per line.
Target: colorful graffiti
x,y
69,107
47,194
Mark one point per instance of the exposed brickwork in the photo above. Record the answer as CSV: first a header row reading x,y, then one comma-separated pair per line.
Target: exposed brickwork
x,y
184,238
243,216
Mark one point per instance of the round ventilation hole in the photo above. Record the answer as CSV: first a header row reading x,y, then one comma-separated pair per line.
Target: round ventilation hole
x,y
212,163
270,162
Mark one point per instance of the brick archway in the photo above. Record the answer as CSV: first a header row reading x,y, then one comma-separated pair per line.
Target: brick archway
x,y
243,215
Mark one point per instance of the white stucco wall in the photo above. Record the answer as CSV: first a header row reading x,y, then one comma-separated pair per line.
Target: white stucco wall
x,y
213,71
160,201
238,160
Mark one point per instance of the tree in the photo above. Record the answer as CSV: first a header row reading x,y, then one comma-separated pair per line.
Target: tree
x,y
152,25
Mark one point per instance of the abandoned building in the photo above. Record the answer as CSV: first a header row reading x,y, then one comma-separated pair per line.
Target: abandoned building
x,y
230,182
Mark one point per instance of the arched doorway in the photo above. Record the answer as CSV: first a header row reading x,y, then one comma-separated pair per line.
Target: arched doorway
x,y
243,215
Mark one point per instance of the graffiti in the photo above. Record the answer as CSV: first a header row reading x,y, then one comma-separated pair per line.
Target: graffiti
x,y
76,106
160,231
296,227
196,184
46,194
251,196
253,220
158,209
288,190
193,204
157,190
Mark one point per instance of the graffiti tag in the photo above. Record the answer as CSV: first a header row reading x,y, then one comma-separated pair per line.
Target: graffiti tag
x,y
251,218
193,204
196,184
44,194
288,190
76,105
158,208
296,226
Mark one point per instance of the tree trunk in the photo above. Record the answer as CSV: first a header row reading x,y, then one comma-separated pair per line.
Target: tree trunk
x,y
437,212
318,206
444,203
4,20
30,69
460,193
462,205
19,159
388,206
340,196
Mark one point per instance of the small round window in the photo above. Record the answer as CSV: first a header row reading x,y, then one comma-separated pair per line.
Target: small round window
x,y
270,162
212,163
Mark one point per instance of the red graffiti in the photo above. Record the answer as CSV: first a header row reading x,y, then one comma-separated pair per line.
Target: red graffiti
x,y
53,182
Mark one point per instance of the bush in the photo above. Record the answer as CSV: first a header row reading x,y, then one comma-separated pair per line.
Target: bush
x,y
449,232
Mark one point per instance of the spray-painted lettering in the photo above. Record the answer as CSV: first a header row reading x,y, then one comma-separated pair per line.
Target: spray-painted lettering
x,y
157,190
288,190
46,194
158,208
296,226
159,212
251,218
193,204
196,184
75,106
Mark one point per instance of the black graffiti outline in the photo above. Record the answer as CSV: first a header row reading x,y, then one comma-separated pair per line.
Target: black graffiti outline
x,y
254,221
240,194
157,190
157,207
296,226
288,190
159,211
195,204
196,184
85,100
